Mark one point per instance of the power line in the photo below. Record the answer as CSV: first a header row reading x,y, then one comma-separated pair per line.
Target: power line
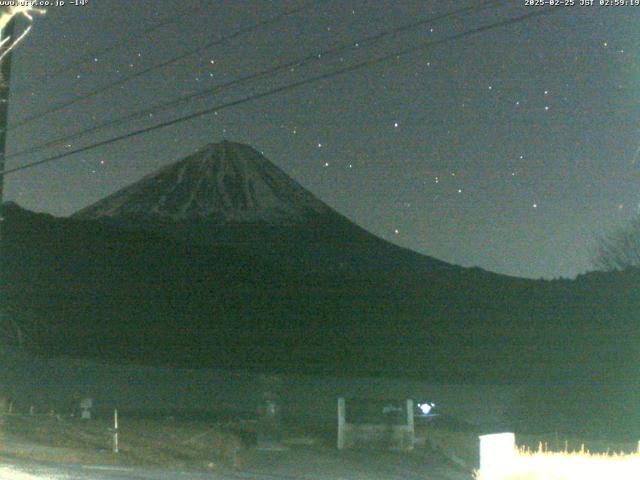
x,y
251,77
157,66
125,41
291,86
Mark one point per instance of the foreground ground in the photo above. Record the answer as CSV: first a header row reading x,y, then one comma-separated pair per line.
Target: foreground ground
x,y
53,447
305,463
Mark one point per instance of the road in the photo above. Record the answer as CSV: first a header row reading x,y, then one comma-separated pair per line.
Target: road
x,y
301,464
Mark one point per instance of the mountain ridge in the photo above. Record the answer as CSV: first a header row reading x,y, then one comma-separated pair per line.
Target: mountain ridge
x,y
289,296
274,217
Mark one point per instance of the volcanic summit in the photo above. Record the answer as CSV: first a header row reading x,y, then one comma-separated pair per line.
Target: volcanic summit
x,y
221,183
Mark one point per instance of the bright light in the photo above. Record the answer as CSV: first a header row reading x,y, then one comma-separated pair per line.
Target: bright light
x,y
6,16
497,456
425,408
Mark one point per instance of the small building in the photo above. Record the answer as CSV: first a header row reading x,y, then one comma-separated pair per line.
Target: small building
x,y
385,424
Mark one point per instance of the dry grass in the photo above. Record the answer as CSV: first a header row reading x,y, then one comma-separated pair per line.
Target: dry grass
x,y
568,465
544,457
7,473
161,442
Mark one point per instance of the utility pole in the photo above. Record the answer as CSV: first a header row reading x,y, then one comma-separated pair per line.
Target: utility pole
x,y
6,34
5,77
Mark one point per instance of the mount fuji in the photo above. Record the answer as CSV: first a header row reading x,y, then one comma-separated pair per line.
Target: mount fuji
x,y
228,194
221,259
223,183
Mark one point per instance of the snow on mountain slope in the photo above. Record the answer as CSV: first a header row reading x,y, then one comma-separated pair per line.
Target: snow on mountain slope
x,y
224,182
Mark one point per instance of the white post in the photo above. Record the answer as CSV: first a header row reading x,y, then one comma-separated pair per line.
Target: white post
x,y
85,408
497,455
115,431
341,422
410,424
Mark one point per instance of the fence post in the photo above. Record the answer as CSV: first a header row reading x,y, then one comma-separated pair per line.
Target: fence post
x,y
410,425
86,404
115,431
341,422
497,455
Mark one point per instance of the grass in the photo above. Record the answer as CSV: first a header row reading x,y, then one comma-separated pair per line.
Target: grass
x,y
541,464
162,442
542,457
7,473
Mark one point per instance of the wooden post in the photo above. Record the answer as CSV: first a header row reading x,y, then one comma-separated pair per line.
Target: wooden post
x,y
85,408
341,422
115,431
410,425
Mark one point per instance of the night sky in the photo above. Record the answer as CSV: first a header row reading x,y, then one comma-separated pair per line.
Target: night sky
x,y
509,150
